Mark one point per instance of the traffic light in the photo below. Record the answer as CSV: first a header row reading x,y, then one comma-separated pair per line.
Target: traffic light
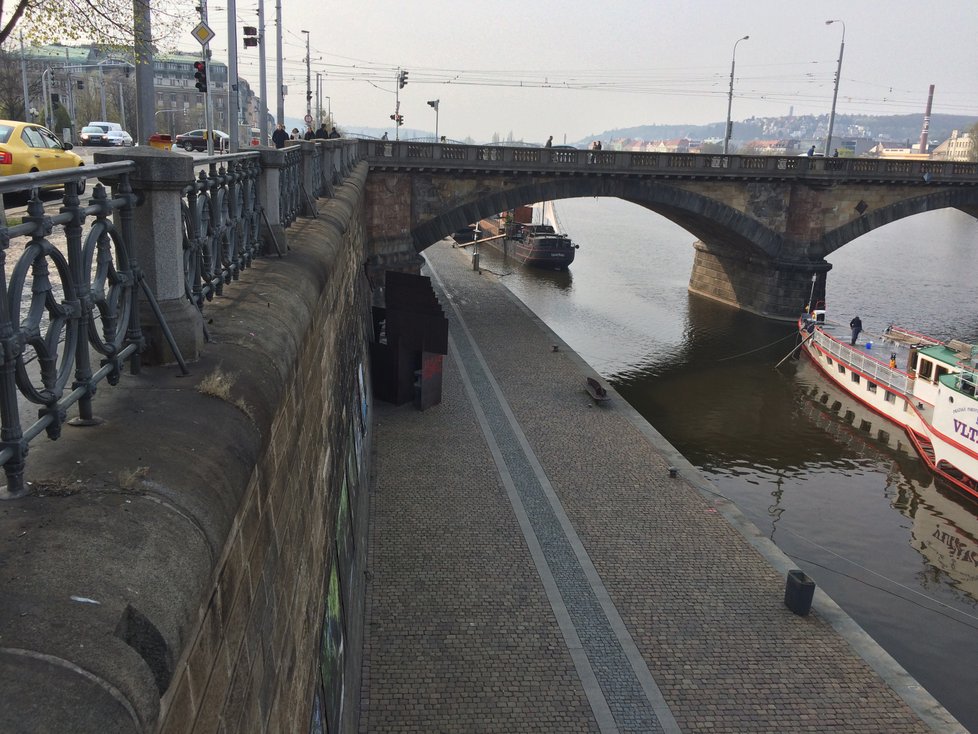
x,y
400,119
251,36
81,84
394,117
200,75
402,80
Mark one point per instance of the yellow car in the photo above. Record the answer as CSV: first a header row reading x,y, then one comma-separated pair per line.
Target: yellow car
x,y
26,147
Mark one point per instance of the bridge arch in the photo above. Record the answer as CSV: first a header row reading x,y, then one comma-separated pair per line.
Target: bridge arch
x,y
703,217
965,200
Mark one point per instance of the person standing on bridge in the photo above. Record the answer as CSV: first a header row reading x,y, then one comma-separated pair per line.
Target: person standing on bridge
x,y
280,137
549,143
811,151
856,325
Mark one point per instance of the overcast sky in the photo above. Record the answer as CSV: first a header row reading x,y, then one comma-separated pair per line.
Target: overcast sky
x,y
572,69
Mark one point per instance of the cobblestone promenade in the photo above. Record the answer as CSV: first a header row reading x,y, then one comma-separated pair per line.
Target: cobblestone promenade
x,y
534,568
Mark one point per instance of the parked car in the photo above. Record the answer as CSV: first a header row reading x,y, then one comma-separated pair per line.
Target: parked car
x,y
26,147
93,135
119,137
197,140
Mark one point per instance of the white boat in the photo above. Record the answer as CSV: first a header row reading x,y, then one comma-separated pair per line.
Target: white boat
x,y
923,385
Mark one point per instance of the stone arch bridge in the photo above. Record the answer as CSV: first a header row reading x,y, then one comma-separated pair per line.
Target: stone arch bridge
x,y
764,224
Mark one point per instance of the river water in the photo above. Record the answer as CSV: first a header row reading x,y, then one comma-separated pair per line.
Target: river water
x,y
854,508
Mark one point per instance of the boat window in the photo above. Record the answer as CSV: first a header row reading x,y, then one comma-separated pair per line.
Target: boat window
x,y
829,360
871,386
842,370
926,369
855,377
889,397
941,371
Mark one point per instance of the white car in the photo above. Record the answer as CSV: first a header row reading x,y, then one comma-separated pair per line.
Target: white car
x,y
119,138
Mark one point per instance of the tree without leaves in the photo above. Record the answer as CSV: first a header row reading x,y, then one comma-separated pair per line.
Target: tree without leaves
x,y
107,22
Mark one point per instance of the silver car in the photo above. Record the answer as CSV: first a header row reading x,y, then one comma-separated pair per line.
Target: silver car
x,y
119,138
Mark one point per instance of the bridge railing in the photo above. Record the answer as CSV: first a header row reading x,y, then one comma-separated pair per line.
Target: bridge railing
x,y
68,293
168,230
394,154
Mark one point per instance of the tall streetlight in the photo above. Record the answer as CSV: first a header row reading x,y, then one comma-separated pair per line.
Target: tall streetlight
x,y
835,94
308,80
727,130
433,103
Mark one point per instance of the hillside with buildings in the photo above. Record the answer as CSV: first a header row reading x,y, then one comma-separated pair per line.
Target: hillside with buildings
x,y
870,127
853,135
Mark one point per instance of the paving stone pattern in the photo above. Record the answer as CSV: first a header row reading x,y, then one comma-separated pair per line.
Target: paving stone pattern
x,y
461,634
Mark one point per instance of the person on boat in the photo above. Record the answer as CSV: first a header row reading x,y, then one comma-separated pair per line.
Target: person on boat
x,y
856,325
893,360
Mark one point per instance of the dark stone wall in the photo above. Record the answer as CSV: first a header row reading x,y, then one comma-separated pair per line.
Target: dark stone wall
x,y
195,562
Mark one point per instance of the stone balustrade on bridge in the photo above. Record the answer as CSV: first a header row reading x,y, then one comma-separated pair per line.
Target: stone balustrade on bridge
x,y
393,155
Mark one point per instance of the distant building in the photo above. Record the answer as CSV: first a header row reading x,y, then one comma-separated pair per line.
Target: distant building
x,y
901,150
78,77
959,147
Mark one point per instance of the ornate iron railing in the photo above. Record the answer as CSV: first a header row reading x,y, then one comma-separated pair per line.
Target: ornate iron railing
x,y
290,186
222,224
69,289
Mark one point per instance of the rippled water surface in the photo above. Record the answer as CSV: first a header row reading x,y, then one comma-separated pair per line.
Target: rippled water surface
x,y
852,506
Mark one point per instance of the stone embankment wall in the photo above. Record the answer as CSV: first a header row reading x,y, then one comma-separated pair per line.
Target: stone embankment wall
x,y
195,564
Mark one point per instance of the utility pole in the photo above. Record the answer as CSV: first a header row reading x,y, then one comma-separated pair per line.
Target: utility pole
x,y
122,108
234,122
23,78
145,94
262,80
279,75
319,98
101,89
208,106
308,79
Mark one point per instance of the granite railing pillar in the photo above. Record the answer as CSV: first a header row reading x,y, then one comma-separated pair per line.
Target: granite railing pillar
x,y
158,234
307,201
272,231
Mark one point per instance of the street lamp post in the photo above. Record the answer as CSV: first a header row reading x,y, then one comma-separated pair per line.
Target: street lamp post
x,y
835,93
727,130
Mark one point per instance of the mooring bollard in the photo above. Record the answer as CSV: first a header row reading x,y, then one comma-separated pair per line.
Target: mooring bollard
x,y
798,592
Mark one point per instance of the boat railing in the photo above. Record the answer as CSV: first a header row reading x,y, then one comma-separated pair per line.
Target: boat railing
x,y
880,372
964,382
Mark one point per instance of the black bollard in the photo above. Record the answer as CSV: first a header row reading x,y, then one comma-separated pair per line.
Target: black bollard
x,y
798,592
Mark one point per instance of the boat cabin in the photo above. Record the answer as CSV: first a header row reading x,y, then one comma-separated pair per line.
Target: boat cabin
x,y
933,363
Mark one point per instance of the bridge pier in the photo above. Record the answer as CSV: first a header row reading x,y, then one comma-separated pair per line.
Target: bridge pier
x,y
775,289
